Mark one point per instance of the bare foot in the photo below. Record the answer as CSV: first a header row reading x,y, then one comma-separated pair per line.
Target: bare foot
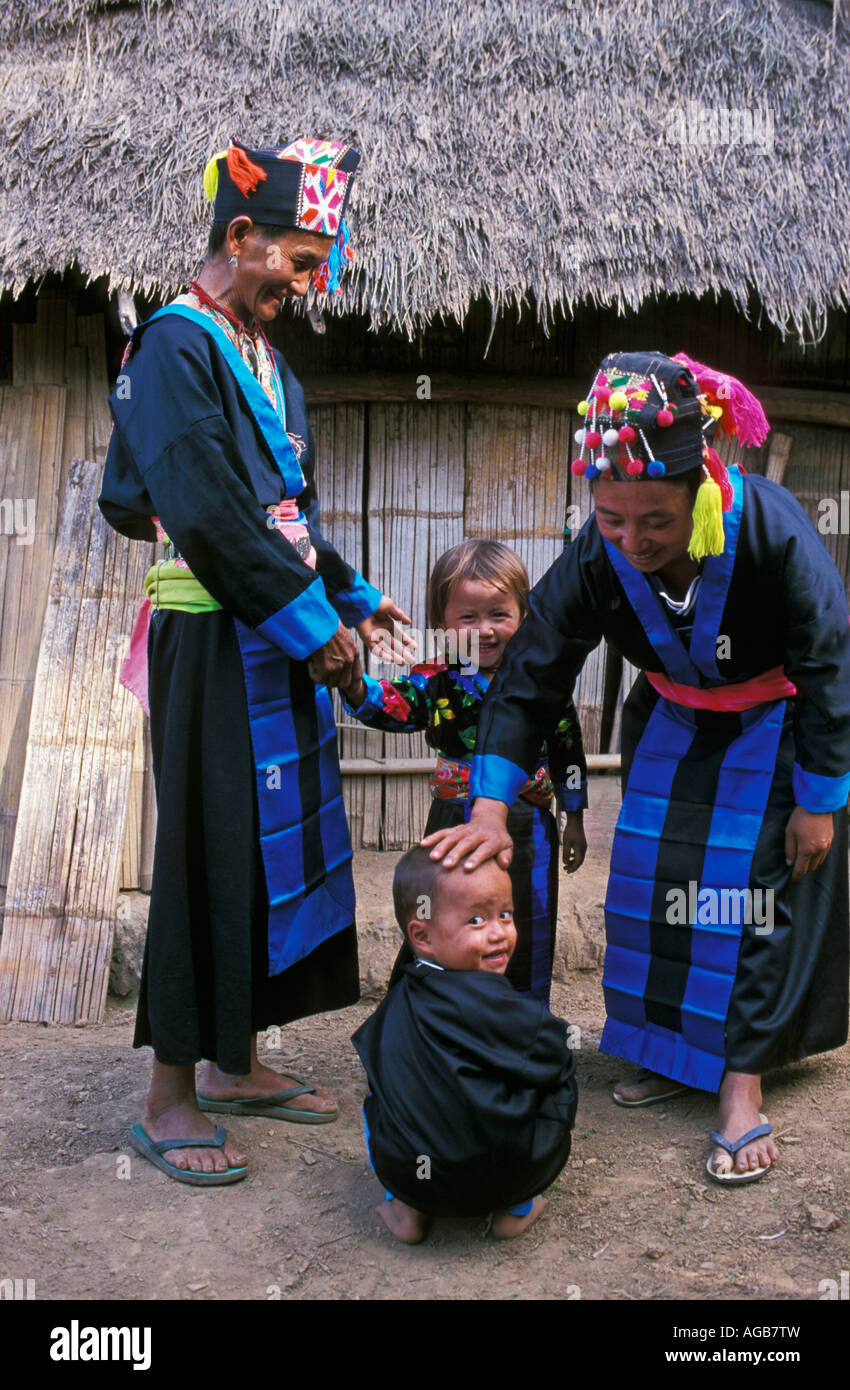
x,y
184,1120
261,1081
506,1227
403,1221
654,1085
740,1106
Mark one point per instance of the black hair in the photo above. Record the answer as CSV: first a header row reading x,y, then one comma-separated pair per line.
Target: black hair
x,y
690,479
218,234
417,877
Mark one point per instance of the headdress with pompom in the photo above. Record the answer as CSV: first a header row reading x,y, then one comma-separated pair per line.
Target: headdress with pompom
x,y
652,416
305,184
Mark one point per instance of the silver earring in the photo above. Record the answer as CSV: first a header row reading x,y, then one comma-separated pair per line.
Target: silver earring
x,y
233,260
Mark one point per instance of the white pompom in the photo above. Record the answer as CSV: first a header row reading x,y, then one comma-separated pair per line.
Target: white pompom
x,y
611,437
580,436
602,463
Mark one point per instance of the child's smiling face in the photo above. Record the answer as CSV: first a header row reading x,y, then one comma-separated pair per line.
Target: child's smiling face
x,y
475,605
471,926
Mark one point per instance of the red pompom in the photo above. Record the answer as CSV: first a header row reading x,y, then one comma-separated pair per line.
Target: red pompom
x,y
664,417
634,468
626,434
593,439
602,394
578,466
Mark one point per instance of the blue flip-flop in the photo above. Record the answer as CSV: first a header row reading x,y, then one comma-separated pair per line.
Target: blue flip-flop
x,y
153,1150
720,1142
273,1107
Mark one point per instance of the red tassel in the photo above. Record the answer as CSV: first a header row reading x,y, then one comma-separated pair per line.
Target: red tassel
x,y
243,171
720,475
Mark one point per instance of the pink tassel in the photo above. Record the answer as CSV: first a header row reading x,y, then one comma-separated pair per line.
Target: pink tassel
x,y
748,420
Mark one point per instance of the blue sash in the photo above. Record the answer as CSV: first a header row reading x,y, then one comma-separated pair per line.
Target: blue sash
x,y
271,420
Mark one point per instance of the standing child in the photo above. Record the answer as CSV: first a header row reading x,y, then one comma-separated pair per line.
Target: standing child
x,y
478,593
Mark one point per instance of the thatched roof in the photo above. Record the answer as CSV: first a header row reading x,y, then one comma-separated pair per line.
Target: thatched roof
x,y
513,149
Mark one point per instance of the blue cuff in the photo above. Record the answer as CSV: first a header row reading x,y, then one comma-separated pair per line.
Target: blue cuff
x,y
374,702
816,793
358,602
571,798
304,624
496,777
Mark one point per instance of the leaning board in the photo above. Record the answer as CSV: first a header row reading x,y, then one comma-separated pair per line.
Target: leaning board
x,y
66,857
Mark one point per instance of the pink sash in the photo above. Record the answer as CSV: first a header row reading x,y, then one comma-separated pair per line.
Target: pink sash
x,y
770,685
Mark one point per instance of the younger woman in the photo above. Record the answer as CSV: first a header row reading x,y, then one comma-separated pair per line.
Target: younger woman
x,y
478,594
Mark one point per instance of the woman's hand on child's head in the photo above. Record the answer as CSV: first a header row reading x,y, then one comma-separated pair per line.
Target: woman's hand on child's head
x,y
575,842
383,634
483,837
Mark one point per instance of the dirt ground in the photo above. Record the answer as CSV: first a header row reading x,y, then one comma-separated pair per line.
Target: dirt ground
x,y
633,1215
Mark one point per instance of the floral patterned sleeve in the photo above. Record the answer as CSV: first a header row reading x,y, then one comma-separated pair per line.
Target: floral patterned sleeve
x,y
567,764
398,706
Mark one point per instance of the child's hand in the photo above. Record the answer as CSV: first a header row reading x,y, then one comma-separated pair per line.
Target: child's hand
x,y
355,691
334,663
575,843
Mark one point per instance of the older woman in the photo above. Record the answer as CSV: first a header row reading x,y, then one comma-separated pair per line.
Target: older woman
x,y
252,904
727,912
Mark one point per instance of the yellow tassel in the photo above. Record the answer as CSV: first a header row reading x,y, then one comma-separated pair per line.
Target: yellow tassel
x,y
211,176
707,537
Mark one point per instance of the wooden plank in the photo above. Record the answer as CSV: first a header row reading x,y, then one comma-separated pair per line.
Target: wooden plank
x,y
418,767
74,441
148,831
31,431
339,435
38,349
777,459
91,334
64,875
589,691
415,512
131,853
802,405
23,354
819,470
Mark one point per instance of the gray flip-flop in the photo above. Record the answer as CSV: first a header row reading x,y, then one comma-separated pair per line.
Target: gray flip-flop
x,y
272,1107
733,1178
153,1149
675,1090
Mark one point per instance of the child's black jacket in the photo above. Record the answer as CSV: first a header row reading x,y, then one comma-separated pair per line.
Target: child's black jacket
x,y
472,1092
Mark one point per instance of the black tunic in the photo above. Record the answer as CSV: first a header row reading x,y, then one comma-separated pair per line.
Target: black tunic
x,y
708,792
472,1092
187,448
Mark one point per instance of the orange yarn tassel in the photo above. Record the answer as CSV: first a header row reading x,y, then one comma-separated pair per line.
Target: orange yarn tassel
x,y
243,171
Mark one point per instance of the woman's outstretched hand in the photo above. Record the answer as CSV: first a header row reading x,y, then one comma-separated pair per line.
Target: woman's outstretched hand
x,y
383,635
808,837
483,837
